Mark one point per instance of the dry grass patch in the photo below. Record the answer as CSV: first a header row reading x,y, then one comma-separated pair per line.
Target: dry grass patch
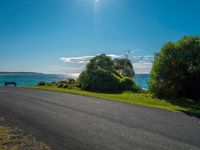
x,y
12,138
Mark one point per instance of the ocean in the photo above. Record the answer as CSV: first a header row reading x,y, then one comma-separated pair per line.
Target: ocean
x,y
33,79
142,80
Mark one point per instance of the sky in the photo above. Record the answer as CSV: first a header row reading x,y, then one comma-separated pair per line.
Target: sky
x,y
61,36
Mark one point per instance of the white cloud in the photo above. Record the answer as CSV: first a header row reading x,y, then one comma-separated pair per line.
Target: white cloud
x,y
143,59
83,59
113,56
142,64
73,75
60,69
142,67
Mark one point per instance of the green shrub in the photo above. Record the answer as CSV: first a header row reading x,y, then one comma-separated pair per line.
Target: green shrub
x,y
83,80
101,75
129,85
60,85
65,86
100,80
101,61
68,83
41,83
71,81
176,70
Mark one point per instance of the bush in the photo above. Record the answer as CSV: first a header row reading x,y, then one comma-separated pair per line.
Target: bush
x,y
101,61
129,85
65,86
176,70
100,75
41,83
71,81
60,85
68,83
100,80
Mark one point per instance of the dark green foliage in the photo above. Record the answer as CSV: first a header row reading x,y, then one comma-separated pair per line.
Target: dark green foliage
x,y
65,86
68,83
176,70
101,61
71,81
129,85
41,83
100,80
60,84
125,67
101,75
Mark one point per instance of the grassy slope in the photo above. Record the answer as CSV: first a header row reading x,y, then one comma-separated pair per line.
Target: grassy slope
x,y
136,98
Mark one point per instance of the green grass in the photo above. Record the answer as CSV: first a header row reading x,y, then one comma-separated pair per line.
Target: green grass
x,y
143,99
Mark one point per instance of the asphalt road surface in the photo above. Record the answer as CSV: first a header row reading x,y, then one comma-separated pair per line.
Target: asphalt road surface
x,y
74,122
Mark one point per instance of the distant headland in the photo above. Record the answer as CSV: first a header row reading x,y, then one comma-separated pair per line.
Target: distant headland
x,y
20,73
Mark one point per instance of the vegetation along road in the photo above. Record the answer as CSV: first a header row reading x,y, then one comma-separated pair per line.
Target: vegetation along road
x,y
73,122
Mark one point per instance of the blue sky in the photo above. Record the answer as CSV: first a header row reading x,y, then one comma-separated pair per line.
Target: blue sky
x,y
60,36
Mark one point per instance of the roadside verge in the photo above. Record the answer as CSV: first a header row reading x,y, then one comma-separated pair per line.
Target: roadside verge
x,y
144,99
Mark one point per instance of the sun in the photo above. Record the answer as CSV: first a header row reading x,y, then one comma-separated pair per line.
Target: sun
x,y
96,1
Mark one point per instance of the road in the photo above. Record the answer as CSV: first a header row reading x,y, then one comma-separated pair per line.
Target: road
x,y
74,122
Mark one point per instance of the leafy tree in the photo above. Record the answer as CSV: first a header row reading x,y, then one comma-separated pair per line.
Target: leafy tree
x,y
100,75
100,80
101,61
125,67
129,85
176,69
41,83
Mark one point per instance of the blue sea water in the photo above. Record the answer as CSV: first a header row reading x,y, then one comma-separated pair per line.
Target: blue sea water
x,y
142,80
33,79
30,79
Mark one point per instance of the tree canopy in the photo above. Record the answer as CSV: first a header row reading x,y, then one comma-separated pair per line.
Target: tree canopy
x,y
176,69
101,75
